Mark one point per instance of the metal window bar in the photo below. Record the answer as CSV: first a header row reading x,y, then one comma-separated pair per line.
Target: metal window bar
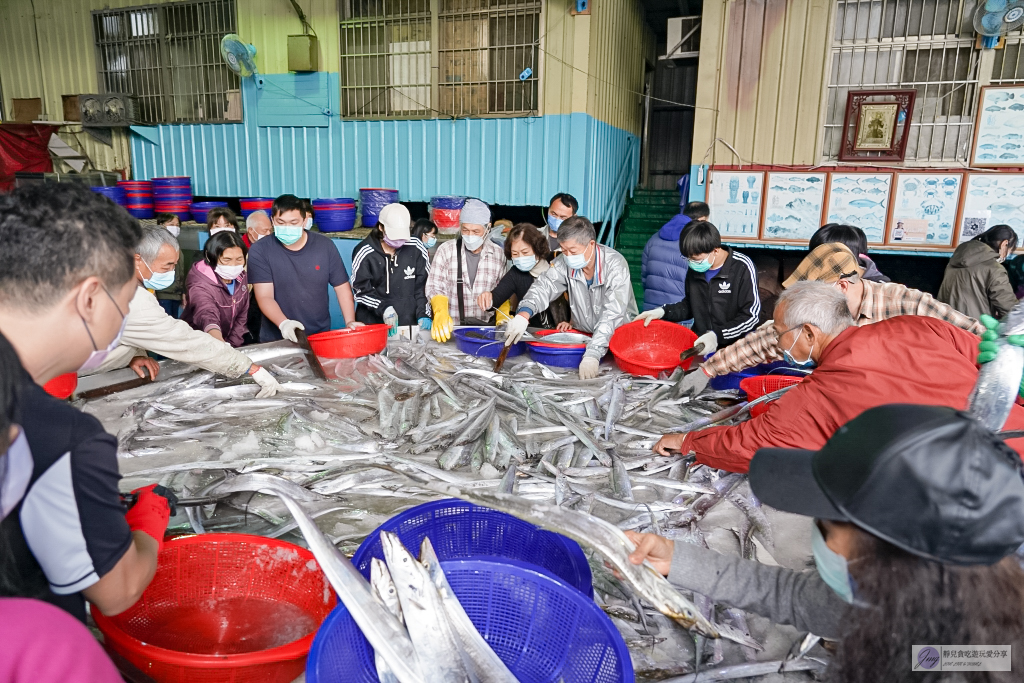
x,y
1008,68
168,57
923,44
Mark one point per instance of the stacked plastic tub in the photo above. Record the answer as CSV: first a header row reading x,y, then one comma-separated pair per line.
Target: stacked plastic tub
x,y
251,204
113,193
372,200
173,195
335,215
139,197
199,210
445,211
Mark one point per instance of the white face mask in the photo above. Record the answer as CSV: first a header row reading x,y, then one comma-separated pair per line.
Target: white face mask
x,y
472,242
98,355
173,229
223,228
229,272
309,223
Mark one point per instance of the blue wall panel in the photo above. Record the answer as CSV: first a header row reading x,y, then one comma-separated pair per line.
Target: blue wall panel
x,y
515,161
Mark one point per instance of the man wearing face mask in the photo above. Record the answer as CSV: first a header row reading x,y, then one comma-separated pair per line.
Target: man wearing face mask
x,y
600,293
257,226
917,513
149,328
561,207
907,359
69,538
463,269
292,273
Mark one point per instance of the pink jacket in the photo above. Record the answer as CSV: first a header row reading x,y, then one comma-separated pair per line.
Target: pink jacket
x,y
210,306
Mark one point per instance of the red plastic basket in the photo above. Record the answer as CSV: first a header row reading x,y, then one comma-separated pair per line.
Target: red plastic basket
x,y
756,387
232,597
544,333
62,386
354,343
651,350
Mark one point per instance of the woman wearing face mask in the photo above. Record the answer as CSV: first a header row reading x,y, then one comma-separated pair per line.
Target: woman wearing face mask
x,y
218,295
975,282
917,513
721,290
389,274
426,232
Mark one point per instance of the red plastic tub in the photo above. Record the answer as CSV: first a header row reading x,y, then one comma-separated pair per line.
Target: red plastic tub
x,y
756,387
62,386
361,341
651,350
224,607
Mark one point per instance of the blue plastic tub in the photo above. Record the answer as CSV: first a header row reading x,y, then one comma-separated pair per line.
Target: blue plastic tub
x,y
544,630
114,193
459,529
447,201
568,357
478,347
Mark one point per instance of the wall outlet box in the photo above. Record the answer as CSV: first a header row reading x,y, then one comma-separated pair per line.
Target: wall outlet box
x,y
303,53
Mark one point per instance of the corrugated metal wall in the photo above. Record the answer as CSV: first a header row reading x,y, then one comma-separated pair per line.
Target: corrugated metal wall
x,y
620,40
762,66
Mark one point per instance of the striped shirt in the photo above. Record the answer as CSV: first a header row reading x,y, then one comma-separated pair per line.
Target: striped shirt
x,y
881,301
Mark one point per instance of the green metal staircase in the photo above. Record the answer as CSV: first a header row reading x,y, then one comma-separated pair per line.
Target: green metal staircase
x,y
646,212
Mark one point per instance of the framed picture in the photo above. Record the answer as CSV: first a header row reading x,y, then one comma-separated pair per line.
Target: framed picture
x,y
793,205
992,199
862,200
876,125
999,130
924,209
735,200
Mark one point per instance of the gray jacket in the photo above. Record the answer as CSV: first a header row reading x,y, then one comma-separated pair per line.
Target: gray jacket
x,y
801,599
599,308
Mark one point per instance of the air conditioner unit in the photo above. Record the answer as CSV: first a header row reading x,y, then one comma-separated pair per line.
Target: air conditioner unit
x,y
107,110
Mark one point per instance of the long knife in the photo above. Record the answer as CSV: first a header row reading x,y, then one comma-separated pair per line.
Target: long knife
x,y
314,362
115,388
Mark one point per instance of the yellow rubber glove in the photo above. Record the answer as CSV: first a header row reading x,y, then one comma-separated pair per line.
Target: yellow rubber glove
x,y
441,327
504,313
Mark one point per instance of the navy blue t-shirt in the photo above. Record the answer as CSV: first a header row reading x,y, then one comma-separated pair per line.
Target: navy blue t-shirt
x,y
301,280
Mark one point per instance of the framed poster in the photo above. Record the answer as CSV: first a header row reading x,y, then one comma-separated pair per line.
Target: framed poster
x,y
924,208
992,199
735,201
862,200
999,133
876,125
793,205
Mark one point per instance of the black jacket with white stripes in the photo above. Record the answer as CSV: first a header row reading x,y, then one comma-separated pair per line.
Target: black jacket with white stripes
x,y
728,304
380,280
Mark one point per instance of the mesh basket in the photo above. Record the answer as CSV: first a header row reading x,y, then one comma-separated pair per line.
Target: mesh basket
x,y
651,350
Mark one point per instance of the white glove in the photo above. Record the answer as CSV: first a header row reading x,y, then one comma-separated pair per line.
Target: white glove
x,y
516,328
288,328
589,367
710,342
268,384
648,316
693,383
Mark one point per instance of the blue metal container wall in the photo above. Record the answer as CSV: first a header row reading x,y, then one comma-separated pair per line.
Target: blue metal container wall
x,y
514,161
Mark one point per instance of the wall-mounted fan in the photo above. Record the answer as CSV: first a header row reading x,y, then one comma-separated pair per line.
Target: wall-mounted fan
x,y
995,18
241,57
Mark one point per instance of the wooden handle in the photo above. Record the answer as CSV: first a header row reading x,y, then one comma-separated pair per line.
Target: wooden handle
x,y
115,388
501,358
690,353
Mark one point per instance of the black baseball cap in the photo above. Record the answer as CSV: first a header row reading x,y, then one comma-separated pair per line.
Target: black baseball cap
x,y
930,480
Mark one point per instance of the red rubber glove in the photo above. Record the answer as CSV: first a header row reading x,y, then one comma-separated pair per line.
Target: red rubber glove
x,y
149,514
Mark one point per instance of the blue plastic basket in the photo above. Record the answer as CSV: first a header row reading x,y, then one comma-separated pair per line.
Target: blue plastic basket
x,y
478,347
544,630
459,529
555,357
446,201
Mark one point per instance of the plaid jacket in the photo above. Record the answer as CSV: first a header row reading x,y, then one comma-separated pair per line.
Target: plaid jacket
x,y
444,273
882,300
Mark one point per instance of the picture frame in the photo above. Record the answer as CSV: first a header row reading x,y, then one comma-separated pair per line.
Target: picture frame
x,y
876,125
924,209
988,200
794,203
735,199
862,200
999,127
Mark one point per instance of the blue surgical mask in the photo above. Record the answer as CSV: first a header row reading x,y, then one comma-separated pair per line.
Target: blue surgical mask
x,y
554,222
472,242
809,363
576,261
525,263
431,241
288,234
157,281
832,566
702,266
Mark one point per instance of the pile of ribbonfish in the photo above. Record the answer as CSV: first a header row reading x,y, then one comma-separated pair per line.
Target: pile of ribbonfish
x,y
422,422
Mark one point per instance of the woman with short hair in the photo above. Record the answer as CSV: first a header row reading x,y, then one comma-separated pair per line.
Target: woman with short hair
x,y
217,289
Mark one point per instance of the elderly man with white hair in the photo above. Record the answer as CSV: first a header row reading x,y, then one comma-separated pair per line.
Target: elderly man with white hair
x,y
257,226
908,359
147,327
463,269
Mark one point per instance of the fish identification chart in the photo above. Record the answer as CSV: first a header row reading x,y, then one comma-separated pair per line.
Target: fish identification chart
x,y
735,201
924,208
992,199
861,200
999,139
794,205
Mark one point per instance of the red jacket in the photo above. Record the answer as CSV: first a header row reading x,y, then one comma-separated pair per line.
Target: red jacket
x,y
906,359
210,306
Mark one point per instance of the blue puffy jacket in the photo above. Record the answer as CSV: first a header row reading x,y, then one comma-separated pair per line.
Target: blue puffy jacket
x,y
663,268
